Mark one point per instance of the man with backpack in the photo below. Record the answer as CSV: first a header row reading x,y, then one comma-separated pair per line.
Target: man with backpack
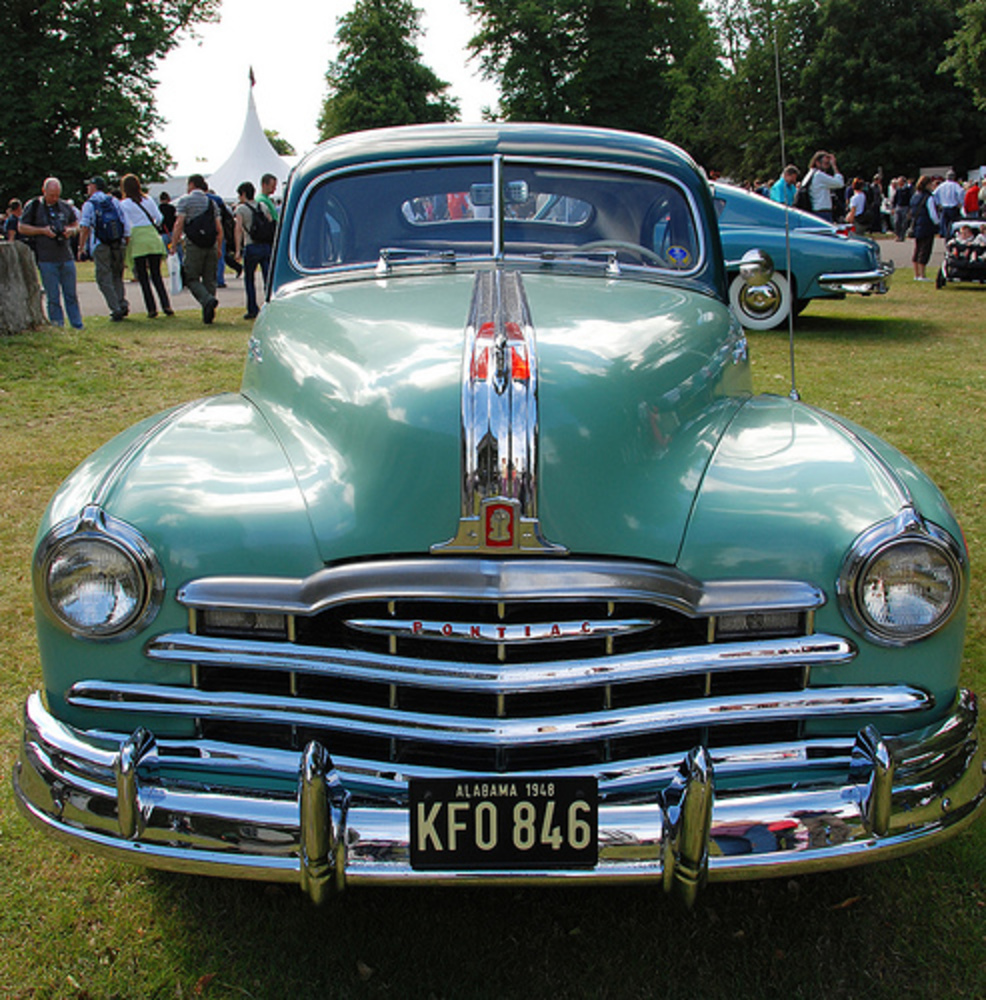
x,y
197,220
50,223
109,228
254,237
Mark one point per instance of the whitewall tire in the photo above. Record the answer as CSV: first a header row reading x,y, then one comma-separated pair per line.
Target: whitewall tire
x,y
761,306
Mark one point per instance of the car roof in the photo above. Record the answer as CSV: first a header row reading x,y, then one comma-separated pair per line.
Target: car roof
x,y
771,212
453,139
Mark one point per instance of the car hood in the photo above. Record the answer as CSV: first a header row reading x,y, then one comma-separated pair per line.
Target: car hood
x,y
361,381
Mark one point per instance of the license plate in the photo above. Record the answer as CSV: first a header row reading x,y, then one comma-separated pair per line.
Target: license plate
x,y
471,823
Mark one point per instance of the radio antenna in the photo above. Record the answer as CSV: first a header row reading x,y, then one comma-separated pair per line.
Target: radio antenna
x,y
794,394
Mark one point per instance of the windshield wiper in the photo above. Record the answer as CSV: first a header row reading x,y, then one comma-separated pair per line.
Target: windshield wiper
x,y
609,256
389,253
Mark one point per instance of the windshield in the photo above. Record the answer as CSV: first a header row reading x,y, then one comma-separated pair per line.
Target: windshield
x,y
448,211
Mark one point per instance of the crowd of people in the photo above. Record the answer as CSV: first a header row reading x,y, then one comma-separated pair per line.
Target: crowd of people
x,y
198,235
921,208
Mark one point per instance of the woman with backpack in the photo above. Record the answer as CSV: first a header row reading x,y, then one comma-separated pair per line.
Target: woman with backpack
x,y
145,243
925,216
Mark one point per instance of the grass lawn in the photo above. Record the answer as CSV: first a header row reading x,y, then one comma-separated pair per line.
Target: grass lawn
x,y
908,365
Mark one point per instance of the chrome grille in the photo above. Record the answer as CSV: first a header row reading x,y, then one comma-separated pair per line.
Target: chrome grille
x,y
404,662
505,632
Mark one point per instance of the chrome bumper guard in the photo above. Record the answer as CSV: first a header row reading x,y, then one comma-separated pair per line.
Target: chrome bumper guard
x,y
894,795
875,282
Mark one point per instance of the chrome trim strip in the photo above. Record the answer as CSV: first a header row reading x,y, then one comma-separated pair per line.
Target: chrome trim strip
x,y
182,702
498,206
473,578
810,651
499,425
938,790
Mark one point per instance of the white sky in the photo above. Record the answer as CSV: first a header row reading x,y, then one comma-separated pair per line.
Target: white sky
x,y
203,84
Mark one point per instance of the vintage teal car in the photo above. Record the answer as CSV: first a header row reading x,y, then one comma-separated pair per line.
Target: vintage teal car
x,y
826,261
495,568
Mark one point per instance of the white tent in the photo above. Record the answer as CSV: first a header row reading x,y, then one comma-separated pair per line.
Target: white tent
x,y
250,160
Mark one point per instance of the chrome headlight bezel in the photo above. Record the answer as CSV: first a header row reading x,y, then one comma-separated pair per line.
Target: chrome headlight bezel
x,y
95,526
907,528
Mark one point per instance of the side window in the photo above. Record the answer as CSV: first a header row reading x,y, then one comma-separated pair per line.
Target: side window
x,y
324,230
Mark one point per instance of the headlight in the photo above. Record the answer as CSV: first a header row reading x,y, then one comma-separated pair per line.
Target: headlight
x,y
901,581
97,576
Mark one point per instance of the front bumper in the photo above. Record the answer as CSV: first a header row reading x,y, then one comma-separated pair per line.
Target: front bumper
x,y
875,282
201,807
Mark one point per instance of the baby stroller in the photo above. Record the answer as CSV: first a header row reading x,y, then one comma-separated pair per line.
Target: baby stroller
x,y
965,253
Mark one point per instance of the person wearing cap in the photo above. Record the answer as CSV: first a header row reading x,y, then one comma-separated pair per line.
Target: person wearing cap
x,y
51,223
948,199
107,254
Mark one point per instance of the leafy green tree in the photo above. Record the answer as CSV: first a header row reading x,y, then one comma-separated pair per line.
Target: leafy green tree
x,y
860,79
379,78
872,91
760,40
77,85
531,48
967,51
280,145
633,64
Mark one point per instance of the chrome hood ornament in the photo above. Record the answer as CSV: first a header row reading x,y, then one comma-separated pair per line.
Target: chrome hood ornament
x,y
499,425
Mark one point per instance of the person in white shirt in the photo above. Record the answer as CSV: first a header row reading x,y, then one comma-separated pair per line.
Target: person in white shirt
x,y
857,206
823,178
145,243
949,197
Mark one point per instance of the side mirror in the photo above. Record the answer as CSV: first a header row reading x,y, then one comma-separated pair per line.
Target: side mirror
x,y
756,267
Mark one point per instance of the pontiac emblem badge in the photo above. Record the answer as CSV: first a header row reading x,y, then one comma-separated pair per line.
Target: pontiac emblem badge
x,y
499,525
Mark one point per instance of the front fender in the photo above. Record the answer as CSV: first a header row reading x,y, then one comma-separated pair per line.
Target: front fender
x,y
788,491
210,490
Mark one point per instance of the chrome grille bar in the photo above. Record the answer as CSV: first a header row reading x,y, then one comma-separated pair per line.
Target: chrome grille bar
x,y
492,580
768,654
816,703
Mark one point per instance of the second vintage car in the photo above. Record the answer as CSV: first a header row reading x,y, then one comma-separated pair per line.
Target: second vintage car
x,y
826,261
495,568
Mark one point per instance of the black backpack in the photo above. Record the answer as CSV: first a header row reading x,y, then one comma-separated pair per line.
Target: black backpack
x,y
802,197
228,224
108,225
201,229
262,225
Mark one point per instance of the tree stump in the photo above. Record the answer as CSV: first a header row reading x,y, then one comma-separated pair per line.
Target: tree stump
x,y
20,290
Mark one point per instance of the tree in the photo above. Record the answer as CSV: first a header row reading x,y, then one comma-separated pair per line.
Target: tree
x,y
532,49
280,145
760,38
872,91
379,78
860,79
78,87
634,64
967,48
